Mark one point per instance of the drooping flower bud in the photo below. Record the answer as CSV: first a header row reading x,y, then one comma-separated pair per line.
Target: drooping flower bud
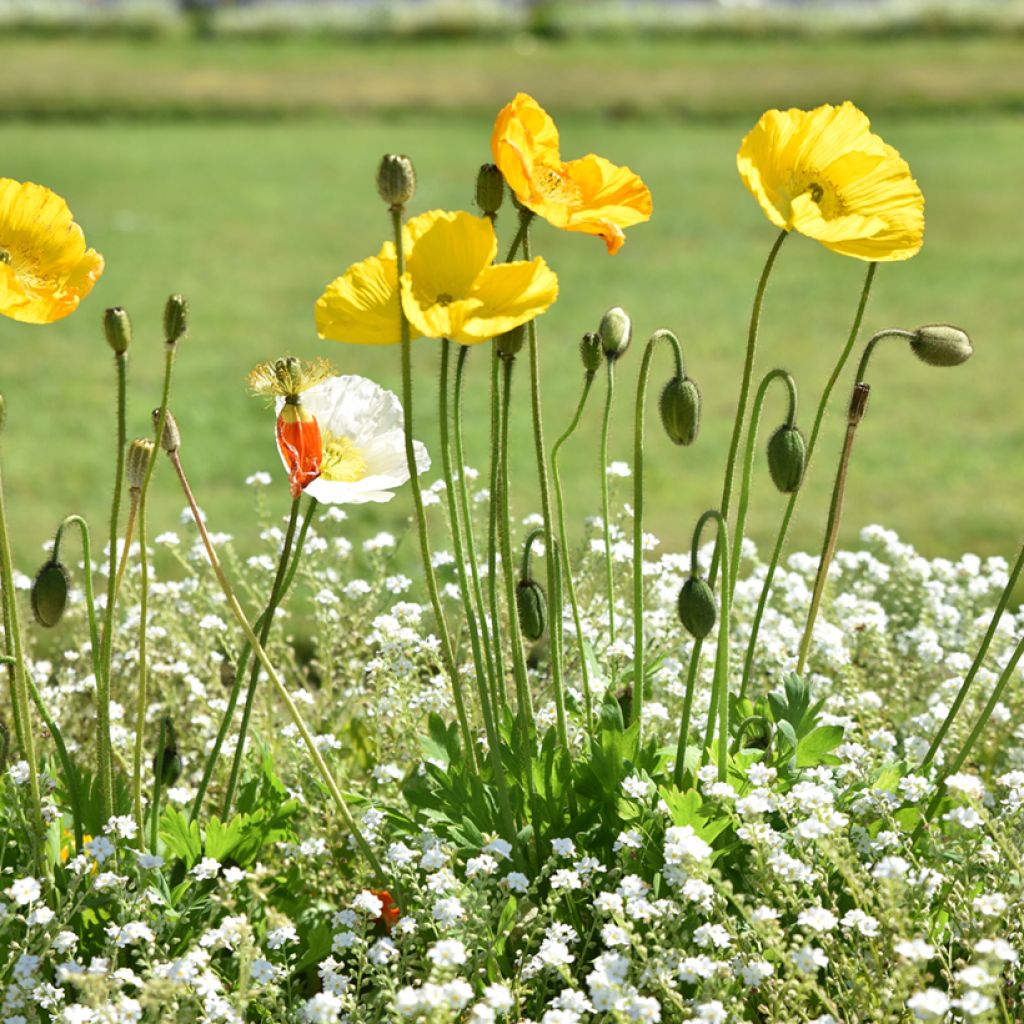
x,y
396,179
490,189
511,342
300,444
532,606
616,332
697,610
591,351
118,329
50,593
140,451
942,345
171,439
175,319
787,458
167,761
680,410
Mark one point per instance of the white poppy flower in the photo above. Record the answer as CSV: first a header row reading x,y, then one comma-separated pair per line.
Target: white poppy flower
x,y
363,443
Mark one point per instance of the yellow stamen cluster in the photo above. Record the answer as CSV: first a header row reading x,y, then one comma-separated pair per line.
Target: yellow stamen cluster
x,y
342,460
286,378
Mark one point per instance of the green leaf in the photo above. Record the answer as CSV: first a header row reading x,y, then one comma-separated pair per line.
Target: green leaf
x,y
814,748
181,836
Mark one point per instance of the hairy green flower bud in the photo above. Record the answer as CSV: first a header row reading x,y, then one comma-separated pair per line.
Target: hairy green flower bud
x,y
171,440
50,593
697,610
396,179
167,762
511,342
591,351
616,332
118,329
680,410
490,189
532,605
175,319
787,458
942,345
139,453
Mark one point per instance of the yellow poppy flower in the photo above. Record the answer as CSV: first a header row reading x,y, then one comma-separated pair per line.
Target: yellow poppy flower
x,y
590,195
45,268
825,174
451,287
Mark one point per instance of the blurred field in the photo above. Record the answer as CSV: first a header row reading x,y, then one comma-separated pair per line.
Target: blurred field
x,y
252,216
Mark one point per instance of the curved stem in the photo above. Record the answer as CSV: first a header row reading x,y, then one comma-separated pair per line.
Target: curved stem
x,y
819,417
563,549
140,714
869,348
748,458
639,682
266,621
605,513
447,651
261,655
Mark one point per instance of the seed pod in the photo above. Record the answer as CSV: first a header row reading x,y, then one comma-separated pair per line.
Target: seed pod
x,y
697,610
490,189
787,458
591,351
140,451
167,761
171,440
50,593
511,342
118,329
942,345
532,606
175,319
616,332
396,179
680,410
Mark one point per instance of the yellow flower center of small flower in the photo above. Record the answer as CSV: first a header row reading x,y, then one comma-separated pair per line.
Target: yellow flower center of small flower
x,y
341,460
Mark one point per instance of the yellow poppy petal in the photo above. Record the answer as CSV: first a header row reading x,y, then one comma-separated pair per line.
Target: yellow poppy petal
x,y
361,306
447,253
507,295
524,135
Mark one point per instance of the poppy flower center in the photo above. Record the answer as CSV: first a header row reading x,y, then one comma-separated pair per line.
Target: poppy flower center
x,y
558,187
444,299
341,460
5,256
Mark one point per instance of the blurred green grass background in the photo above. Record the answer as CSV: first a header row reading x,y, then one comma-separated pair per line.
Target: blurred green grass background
x,y
241,173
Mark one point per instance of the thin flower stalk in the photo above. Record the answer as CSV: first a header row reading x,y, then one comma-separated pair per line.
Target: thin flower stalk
x,y
563,548
684,721
493,533
158,783
142,695
787,516
447,651
129,535
268,666
605,503
639,681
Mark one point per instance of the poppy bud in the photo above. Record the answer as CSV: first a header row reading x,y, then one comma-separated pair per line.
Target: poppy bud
x,y
167,761
787,457
490,189
942,345
697,610
591,351
532,606
118,329
300,444
396,179
50,593
616,332
511,342
228,675
171,440
175,319
139,453
680,410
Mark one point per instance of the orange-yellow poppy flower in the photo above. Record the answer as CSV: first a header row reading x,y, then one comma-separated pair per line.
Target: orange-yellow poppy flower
x,y
452,288
590,195
45,268
825,174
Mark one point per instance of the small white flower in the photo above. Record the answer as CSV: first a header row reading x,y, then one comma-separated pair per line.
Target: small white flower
x,y
25,891
931,1004
206,869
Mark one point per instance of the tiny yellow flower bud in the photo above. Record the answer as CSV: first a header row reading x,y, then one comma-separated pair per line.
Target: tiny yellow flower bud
x,y
532,607
680,410
490,189
139,453
787,458
50,594
175,319
697,610
171,440
396,179
942,345
511,342
591,351
118,329
616,332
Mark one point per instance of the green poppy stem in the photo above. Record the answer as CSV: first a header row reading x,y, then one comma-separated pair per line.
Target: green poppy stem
x,y
158,782
605,503
140,714
684,721
493,509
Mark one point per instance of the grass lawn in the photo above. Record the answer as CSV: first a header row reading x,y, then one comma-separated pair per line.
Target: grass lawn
x,y
252,217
